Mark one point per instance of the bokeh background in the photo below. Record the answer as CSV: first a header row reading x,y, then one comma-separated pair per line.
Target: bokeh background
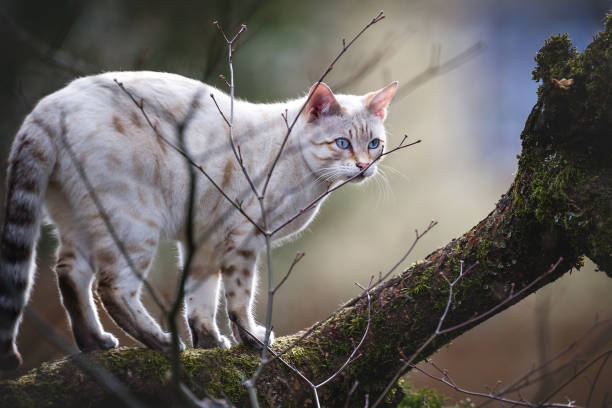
x,y
469,119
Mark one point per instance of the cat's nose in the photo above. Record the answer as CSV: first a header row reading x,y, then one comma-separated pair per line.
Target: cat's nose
x,y
361,165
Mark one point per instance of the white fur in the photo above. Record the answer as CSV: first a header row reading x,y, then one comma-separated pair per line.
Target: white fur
x,y
143,186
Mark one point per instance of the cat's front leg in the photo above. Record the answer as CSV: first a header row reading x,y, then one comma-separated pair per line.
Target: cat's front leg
x,y
201,298
239,279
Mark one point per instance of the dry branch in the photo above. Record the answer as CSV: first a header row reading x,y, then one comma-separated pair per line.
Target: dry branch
x,y
557,206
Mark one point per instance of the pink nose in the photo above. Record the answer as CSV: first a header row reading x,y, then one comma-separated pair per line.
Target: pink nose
x,y
362,165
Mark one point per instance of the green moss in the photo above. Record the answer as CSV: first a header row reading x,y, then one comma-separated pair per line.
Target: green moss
x,y
565,175
219,372
137,362
552,58
419,398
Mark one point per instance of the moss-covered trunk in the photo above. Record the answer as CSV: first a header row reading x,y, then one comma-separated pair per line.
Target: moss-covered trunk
x,y
559,205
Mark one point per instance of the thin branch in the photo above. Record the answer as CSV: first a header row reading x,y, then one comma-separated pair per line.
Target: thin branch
x,y
365,333
350,393
298,258
179,388
605,354
596,379
297,341
230,121
407,363
524,380
349,360
436,69
382,52
511,297
418,236
57,58
212,96
250,383
444,379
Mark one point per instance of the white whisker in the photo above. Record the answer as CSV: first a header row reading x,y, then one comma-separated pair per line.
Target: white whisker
x,y
395,171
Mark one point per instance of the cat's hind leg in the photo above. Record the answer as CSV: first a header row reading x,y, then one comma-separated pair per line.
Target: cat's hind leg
x,y
119,286
75,277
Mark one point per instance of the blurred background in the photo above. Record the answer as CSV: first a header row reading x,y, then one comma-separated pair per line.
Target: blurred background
x,y
469,118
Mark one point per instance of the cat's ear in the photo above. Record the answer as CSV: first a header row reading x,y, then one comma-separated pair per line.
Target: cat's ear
x,y
377,101
321,103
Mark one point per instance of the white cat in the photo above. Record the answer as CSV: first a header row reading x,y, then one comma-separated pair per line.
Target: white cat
x,y
142,184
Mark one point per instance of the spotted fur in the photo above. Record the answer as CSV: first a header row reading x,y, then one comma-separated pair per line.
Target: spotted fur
x,y
139,185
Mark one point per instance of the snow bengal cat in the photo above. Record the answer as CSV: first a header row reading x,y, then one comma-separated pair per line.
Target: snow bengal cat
x,y
102,171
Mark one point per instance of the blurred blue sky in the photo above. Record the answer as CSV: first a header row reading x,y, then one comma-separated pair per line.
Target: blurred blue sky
x,y
514,31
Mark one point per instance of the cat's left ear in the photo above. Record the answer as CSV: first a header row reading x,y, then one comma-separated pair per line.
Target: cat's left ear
x,y
378,101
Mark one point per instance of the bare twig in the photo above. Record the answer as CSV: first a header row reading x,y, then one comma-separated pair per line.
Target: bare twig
x,y
436,69
350,393
349,360
382,52
360,296
525,379
605,355
230,121
59,59
596,379
179,388
365,333
407,363
511,297
382,278
445,379
298,258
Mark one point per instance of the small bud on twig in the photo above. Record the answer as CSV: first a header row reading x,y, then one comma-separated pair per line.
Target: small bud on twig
x,y
224,79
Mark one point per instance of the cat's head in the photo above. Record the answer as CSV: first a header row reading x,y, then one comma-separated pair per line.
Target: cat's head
x,y
344,134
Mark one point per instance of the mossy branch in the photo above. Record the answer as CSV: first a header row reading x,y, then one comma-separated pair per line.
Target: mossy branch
x,y
559,205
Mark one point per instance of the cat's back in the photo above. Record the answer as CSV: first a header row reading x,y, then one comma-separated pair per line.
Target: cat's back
x,y
115,90
118,112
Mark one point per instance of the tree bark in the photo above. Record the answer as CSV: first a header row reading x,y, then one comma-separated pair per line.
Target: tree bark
x,y
559,205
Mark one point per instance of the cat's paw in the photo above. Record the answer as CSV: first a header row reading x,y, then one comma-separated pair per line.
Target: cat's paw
x,y
205,339
260,333
257,331
225,342
165,344
11,359
107,341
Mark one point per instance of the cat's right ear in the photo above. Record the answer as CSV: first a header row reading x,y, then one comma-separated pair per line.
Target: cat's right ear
x,y
322,102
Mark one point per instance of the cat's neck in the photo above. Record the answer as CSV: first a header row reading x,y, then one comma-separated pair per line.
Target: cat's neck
x,y
292,185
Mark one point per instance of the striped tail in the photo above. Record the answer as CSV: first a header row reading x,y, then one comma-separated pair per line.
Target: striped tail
x,y
31,162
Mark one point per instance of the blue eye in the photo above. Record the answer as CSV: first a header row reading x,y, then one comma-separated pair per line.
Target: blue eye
x,y
374,143
343,143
